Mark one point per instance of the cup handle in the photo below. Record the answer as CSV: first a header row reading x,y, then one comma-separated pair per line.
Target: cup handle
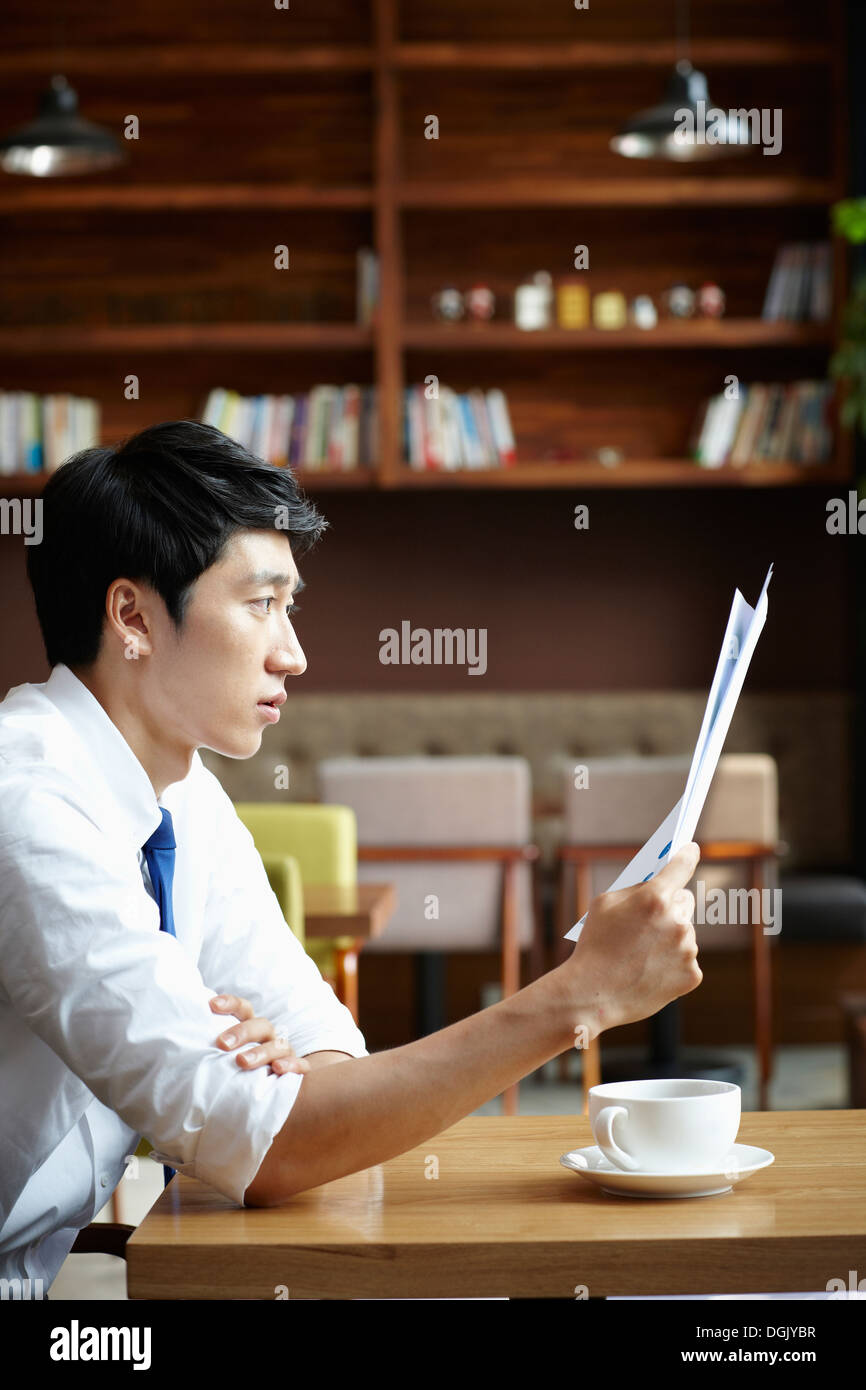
x,y
605,1140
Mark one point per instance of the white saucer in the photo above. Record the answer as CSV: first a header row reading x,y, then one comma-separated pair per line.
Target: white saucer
x,y
741,1162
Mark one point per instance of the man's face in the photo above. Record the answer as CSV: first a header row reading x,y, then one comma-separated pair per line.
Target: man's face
x,y
234,649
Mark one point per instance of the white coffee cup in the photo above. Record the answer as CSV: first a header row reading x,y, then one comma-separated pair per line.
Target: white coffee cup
x,y
664,1126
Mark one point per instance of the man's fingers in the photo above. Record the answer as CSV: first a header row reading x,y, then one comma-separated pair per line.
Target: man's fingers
x,y
276,1049
232,1004
679,869
251,1030
279,1053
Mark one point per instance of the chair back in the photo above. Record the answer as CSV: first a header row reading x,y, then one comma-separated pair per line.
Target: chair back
x,y
417,802
622,800
323,839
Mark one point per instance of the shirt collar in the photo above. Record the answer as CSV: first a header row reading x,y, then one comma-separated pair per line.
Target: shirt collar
x,y
128,788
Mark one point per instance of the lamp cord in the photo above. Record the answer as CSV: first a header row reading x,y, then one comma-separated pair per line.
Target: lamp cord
x,y
682,30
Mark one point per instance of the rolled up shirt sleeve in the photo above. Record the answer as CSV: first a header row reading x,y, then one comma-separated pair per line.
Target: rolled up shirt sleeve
x,y
85,966
248,948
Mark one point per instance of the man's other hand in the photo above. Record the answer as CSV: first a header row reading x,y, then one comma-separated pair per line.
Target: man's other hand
x,y
275,1051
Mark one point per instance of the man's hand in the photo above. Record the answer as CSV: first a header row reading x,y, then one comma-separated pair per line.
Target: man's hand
x,y
638,950
276,1050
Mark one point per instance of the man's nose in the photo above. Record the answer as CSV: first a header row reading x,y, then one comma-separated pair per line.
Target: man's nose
x,y
289,658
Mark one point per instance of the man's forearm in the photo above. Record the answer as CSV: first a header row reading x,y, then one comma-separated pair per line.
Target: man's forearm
x,y
370,1109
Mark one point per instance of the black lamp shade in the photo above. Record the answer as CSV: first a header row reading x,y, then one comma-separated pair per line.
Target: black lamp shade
x,y
59,141
660,131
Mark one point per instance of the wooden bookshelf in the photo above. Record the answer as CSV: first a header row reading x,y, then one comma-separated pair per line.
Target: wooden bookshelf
x,y
685,191
306,127
688,334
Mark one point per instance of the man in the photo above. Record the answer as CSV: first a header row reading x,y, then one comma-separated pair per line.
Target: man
x,y
164,587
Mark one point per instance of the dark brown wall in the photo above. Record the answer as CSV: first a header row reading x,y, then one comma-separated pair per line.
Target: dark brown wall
x,y
638,601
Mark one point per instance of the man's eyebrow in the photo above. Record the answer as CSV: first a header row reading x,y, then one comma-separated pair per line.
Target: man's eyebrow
x,y
272,577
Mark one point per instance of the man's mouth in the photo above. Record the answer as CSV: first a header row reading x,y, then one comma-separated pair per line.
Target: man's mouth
x,y
271,708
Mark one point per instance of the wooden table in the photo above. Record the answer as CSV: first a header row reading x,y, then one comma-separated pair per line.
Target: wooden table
x,y
354,914
362,910
504,1218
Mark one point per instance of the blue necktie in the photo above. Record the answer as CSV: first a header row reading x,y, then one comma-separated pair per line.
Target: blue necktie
x,y
159,854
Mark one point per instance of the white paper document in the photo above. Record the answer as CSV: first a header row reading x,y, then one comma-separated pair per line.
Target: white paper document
x,y
678,828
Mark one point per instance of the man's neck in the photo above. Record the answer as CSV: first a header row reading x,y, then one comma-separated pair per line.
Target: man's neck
x,y
163,763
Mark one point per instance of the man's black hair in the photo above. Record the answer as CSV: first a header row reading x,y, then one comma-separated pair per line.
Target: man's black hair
x,y
160,509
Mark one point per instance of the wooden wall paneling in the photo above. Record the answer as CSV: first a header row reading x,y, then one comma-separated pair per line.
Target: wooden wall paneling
x,y
192,267
339,23
496,21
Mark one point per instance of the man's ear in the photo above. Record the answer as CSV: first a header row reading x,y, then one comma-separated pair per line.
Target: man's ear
x,y
126,611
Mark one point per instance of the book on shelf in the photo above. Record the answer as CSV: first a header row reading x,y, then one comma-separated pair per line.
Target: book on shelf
x,y
451,431
800,288
771,422
37,433
367,286
329,428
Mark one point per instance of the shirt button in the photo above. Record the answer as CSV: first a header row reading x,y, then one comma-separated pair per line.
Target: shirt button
x,y
103,1181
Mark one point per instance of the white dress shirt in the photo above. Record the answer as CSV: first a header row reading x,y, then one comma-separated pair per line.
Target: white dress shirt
x,y
105,1030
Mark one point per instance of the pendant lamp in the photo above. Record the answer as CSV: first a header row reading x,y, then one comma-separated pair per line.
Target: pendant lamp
x,y
685,125
59,141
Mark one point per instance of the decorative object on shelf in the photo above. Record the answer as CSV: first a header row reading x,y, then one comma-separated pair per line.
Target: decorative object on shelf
x,y
59,141
710,301
677,127
533,302
448,304
572,304
608,456
609,309
679,302
642,311
480,303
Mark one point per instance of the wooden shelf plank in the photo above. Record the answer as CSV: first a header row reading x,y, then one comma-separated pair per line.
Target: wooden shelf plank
x,y
630,473
721,52
181,337
311,58
327,480
661,191
311,480
169,197
220,337
229,58
674,333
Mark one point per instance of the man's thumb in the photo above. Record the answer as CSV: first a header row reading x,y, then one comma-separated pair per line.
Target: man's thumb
x,y
680,867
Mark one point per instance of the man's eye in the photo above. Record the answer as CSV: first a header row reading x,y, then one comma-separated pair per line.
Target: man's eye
x,y
291,608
